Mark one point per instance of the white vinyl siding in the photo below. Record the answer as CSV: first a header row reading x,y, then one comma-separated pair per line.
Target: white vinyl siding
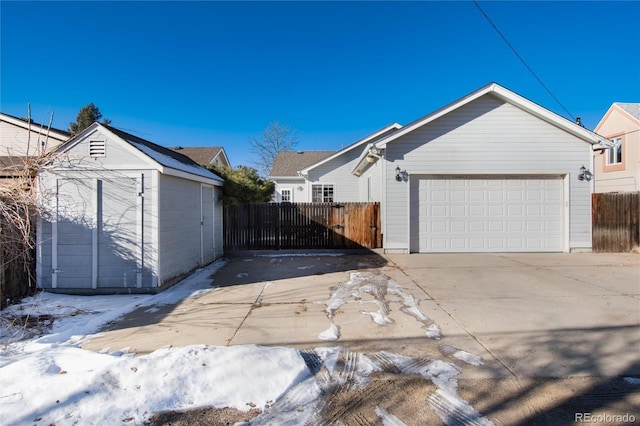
x,y
337,173
122,223
179,226
16,140
486,137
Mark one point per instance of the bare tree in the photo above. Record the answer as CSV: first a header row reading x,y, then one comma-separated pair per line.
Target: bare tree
x,y
275,137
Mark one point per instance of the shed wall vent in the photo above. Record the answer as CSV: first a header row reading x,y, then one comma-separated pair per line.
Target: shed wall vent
x,y
97,148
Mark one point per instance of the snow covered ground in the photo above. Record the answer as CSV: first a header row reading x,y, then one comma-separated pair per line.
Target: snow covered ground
x,y
47,378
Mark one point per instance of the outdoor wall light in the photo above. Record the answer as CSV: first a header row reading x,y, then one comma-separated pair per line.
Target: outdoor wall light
x,y
585,174
398,174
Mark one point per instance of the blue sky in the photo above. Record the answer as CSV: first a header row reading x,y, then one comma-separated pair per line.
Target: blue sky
x,y
217,73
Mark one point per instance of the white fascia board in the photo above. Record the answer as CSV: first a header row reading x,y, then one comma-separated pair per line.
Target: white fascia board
x,y
35,127
277,179
356,144
546,115
507,96
179,173
224,154
98,128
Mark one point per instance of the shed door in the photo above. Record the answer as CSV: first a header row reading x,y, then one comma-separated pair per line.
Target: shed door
x,y
118,237
207,241
72,234
97,233
497,214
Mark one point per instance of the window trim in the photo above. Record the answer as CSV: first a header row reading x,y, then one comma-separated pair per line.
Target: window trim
x,y
323,185
290,191
610,167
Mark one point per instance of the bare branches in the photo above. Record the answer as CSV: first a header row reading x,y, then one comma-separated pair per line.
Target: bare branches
x,y
275,138
19,209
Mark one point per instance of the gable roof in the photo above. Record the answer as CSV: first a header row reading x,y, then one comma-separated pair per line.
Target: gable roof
x,y
370,139
506,95
35,127
167,159
632,109
289,163
201,154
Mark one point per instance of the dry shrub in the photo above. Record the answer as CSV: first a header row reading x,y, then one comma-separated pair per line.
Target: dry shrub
x,y
19,210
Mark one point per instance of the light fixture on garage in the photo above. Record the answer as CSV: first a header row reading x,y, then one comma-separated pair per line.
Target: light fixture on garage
x,y
398,174
585,174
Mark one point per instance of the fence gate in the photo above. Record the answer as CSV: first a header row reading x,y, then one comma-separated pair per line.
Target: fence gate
x,y
282,226
616,221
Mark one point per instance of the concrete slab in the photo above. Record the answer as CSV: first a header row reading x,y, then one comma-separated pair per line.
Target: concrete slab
x,y
555,315
211,324
286,324
533,335
525,315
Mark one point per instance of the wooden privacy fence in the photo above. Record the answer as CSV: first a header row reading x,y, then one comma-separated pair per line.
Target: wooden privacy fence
x,y
615,221
282,226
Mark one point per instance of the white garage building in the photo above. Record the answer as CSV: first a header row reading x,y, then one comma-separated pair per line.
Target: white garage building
x,y
490,172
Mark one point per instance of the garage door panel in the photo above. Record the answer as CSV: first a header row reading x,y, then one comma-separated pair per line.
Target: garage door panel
x,y
491,214
459,211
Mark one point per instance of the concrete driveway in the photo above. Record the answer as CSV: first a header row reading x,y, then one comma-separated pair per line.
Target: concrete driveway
x,y
527,331
525,315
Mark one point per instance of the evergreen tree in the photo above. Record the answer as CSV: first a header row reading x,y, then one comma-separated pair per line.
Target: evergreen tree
x,y
243,185
85,118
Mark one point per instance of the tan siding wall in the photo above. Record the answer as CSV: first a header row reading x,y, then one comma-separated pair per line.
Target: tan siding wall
x,y
628,179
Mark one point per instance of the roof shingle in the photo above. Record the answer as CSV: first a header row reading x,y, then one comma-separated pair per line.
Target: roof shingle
x,y
202,155
288,163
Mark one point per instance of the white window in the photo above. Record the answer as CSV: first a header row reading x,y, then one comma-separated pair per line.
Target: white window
x,y
285,195
97,148
322,193
614,154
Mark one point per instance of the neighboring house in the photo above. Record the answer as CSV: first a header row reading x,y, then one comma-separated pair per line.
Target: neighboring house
x,y
290,186
205,155
320,176
490,172
21,138
617,169
124,215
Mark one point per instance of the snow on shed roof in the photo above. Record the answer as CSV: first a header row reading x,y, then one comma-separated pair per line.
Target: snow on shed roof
x,y
164,156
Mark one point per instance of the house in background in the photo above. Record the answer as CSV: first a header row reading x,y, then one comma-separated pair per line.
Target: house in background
x,y
617,169
290,186
321,176
490,172
205,155
21,138
124,215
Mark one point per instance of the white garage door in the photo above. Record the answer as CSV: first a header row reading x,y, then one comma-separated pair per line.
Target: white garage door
x,y
501,214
